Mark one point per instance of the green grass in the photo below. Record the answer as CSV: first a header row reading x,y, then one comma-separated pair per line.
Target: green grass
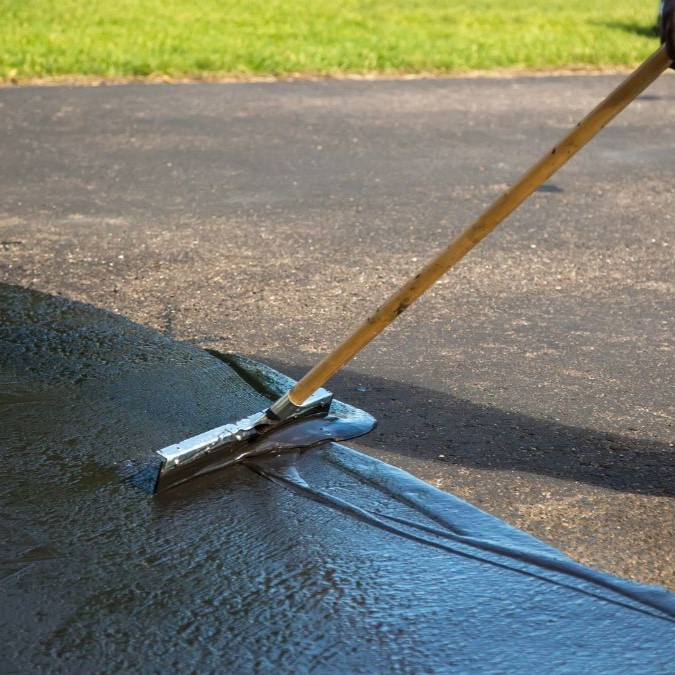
x,y
123,38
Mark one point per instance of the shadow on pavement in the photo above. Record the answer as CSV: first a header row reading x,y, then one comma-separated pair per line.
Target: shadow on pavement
x,y
423,423
414,421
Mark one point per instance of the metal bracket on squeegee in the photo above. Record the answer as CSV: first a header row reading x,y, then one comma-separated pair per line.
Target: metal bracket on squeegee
x,y
196,450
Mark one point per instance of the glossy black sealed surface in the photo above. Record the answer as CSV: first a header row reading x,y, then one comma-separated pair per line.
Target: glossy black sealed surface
x,y
325,560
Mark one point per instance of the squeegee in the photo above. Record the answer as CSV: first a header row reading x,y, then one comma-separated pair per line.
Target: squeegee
x,y
307,400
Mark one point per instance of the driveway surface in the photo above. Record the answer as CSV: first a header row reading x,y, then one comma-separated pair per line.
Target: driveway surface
x,y
536,379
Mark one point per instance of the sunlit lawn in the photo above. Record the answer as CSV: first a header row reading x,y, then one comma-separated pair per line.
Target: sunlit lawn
x,y
121,38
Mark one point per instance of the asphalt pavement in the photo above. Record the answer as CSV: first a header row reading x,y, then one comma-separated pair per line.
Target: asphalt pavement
x,y
535,380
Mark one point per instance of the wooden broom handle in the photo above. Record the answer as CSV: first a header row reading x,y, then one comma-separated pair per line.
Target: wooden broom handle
x,y
628,90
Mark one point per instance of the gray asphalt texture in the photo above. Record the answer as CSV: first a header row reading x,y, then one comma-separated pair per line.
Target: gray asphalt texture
x,y
267,219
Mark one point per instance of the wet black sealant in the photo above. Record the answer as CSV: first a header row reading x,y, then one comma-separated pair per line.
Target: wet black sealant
x,y
323,559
